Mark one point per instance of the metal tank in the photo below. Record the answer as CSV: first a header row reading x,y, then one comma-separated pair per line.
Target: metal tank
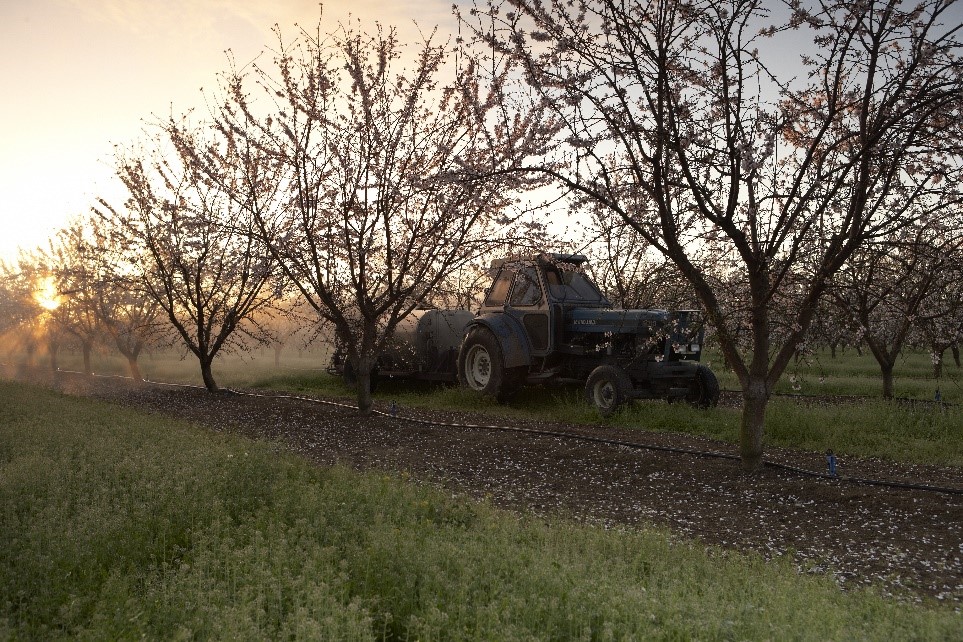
x,y
425,344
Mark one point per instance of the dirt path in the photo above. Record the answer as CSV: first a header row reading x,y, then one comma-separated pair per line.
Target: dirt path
x,y
905,542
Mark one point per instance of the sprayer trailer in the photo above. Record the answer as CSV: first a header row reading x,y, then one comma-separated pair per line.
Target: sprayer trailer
x,y
544,320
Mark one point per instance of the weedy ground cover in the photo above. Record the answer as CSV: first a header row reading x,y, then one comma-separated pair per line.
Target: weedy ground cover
x,y
849,373
913,432
852,373
118,525
895,430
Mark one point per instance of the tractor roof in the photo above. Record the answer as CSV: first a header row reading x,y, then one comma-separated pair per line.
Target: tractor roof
x,y
543,258
576,259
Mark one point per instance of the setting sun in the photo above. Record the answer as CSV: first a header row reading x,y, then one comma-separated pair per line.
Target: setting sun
x,y
46,295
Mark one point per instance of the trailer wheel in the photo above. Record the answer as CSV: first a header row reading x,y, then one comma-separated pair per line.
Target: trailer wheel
x,y
607,388
704,389
481,366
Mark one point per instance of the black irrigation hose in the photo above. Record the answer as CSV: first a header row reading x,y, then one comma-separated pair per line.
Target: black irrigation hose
x,y
630,444
578,437
795,395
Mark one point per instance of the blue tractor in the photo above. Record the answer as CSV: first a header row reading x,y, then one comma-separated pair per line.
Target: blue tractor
x,y
543,320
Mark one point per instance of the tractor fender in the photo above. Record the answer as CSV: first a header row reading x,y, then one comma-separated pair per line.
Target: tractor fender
x,y
510,335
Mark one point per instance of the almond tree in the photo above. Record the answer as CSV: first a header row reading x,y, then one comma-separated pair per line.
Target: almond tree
x,y
129,316
192,251
627,272
131,319
289,322
378,162
464,288
674,122
72,263
899,286
22,324
944,331
832,328
11,304
31,301
16,303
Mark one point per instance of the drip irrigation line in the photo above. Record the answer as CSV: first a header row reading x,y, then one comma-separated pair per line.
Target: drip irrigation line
x,y
627,444
568,435
795,395
532,431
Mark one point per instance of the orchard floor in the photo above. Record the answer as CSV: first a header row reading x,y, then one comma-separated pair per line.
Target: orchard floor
x,y
907,543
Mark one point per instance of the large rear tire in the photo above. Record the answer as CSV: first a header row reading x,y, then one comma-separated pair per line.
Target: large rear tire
x,y
704,389
608,388
481,366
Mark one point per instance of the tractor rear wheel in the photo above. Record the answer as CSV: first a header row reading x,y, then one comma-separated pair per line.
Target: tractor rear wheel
x,y
481,366
607,388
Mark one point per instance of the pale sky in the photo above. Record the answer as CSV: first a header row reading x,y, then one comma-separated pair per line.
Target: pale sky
x,y
79,76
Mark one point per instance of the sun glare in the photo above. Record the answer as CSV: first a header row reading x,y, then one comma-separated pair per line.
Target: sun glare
x,y
46,294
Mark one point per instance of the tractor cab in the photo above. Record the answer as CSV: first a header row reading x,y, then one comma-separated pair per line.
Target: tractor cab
x,y
559,309
538,291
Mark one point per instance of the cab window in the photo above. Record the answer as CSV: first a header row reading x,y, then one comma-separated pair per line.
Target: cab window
x,y
571,285
499,290
526,291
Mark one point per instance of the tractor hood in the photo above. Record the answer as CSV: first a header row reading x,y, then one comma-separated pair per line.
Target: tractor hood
x,y
600,320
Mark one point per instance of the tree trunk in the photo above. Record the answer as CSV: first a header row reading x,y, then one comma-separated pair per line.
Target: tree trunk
x,y
938,362
832,349
52,350
277,355
208,377
956,354
362,368
755,398
28,361
887,372
365,401
133,368
86,349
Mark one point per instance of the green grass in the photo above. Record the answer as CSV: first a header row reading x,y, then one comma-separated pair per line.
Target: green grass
x,y
899,431
918,433
891,430
121,525
853,374
237,369
848,374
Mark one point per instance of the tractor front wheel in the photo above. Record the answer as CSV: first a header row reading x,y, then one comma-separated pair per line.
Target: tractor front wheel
x,y
704,389
607,388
